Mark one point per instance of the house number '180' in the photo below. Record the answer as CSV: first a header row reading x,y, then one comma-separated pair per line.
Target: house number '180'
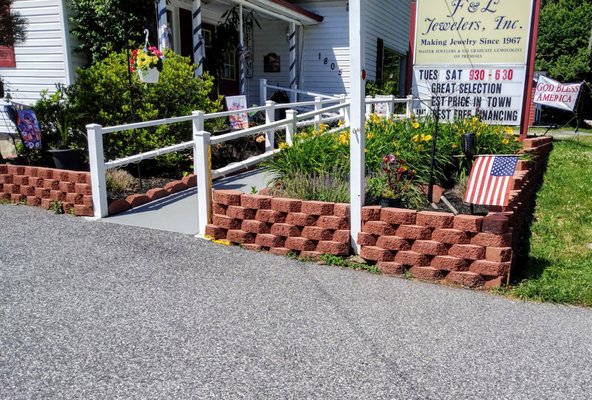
x,y
332,65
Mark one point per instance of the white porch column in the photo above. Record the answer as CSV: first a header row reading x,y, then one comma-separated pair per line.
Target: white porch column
x,y
357,141
163,30
242,50
292,38
199,46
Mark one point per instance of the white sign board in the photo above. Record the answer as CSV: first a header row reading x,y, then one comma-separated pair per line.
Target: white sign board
x,y
555,94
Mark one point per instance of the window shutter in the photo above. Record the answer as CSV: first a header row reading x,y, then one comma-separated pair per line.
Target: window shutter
x,y
379,60
7,59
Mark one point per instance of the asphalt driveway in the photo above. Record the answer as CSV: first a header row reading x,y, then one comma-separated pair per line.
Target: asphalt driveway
x,y
90,310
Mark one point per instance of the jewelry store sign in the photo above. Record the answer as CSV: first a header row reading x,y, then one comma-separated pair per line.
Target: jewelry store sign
x,y
470,58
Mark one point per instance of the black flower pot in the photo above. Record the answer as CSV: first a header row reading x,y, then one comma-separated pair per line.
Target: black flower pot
x,y
390,202
70,159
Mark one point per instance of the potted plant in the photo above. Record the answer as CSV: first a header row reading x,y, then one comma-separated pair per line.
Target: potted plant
x,y
147,63
394,186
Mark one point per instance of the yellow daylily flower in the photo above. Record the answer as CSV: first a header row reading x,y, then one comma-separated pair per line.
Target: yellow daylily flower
x,y
415,125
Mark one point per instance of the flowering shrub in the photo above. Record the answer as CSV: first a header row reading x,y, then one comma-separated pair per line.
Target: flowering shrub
x,y
145,59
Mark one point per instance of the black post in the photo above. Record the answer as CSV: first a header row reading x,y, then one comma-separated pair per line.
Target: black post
x,y
433,164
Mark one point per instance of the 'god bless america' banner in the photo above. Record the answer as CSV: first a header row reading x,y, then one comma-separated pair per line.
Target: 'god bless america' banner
x,y
470,58
555,94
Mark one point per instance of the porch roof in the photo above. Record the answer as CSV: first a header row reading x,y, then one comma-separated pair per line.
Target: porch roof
x,y
283,9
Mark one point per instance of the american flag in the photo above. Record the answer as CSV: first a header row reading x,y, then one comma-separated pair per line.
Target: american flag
x,y
489,183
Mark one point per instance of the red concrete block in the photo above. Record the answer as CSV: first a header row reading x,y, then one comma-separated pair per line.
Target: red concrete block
x,y
414,232
12,189
135,200
239,212
299,244
465,278
310,255
331,247
253,226
3,169
239,236
412,258
378,228
51,184
119,206
67,187
286,230
42,193
156,193
251,246
451,236
467,251
366,239
45,173
83,189
7,179
78,177
175,187
21,180
494,283
190,180
219,209
87,201
498,254
492,240
265,192
398,216
68,207
286,205
341,236
216,232
495,223
27,190
226,222
391,268
57,195
393,243
62,175
33,201
317,208
434,219
80,210
374,253
256,201
341,210
524,165
371,213
489,268
270,216
269,240
280,251
15,170
17,198
426,273
332,222
468,223
74,198
301,219
532,143
448,263
227,197
317,233
35,181
430,247
46,203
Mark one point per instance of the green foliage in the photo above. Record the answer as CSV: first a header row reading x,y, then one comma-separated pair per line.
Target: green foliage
x,y
56,207
106,26
337,261
13,27
107,94
560,261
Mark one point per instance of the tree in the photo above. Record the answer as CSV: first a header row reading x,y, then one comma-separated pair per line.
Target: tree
x,y
105,26
12,25
563,47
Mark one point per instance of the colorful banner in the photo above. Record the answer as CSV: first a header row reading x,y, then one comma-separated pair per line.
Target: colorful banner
x,y
555,94
29,129
240,120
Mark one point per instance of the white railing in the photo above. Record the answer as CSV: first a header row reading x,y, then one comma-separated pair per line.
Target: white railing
x,y
294,92
324,111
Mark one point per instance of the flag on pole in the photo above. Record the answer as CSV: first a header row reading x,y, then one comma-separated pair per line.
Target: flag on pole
x,y
489,183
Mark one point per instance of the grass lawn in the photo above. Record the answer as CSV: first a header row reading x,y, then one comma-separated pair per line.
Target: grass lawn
x,y
560,266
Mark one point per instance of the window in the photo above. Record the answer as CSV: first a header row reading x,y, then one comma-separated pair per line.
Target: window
x,y
229,66
389,68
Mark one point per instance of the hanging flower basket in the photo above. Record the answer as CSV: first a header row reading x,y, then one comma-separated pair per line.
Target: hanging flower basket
x,y
147,63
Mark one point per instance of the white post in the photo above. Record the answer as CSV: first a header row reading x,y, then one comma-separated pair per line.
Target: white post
x,y
262,91
241,34
201,167
269,118
318,106
198,41
291,126
357,19
97,170
390,106
292,40
162,26
368,105
409,106
347,112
